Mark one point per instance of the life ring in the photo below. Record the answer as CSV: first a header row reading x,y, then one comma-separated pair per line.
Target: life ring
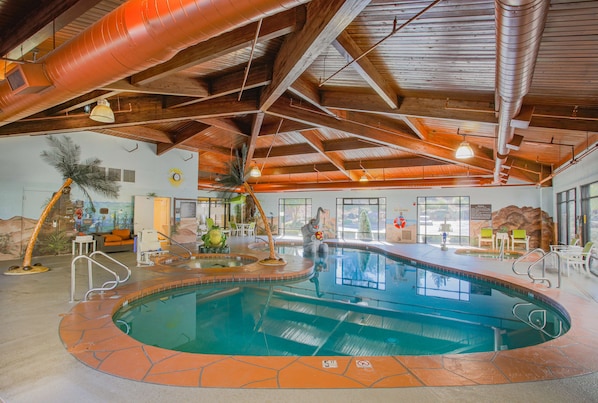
x,y
400,222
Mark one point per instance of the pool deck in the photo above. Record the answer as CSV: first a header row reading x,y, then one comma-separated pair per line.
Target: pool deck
x,y
88,334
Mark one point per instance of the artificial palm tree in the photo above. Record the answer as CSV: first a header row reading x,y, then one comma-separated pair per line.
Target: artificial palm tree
x,y
65,156
235,181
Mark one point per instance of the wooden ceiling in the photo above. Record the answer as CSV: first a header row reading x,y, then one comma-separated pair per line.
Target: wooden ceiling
x,y
326,93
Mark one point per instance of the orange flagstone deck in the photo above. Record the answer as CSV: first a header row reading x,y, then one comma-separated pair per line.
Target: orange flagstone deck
x,y
90,335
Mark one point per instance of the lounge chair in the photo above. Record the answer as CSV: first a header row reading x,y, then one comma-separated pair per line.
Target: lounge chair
x,y
519,236
577,258
486,236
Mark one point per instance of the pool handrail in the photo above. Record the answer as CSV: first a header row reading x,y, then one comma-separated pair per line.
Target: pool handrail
x,y
172,241
531,323
542,259
108,285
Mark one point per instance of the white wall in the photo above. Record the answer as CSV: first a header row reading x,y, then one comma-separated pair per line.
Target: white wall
x,y
576,175
404,200
579,174
23,171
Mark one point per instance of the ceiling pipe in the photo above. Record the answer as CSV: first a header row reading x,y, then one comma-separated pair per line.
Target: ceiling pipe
x,y
519,28
137,35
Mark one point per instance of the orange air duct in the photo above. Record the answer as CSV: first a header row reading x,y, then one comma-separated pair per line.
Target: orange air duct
x,y
137,35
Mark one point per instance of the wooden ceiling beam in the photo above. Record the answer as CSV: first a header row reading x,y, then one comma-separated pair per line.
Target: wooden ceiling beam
x,y
230,83
287,126
192,130
416,183
76,103
140,115
352,165
272,27
256,125
308,92
379,121
324,22
347,47
312,137
225,124
138,133
301,169
171,85
413,107
382,137
545,116
284,151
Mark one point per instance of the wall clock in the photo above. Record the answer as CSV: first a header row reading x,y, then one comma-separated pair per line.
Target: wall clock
x,y
175,176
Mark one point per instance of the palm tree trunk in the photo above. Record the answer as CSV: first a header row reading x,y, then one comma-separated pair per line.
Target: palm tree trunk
x,y
264,219
40,222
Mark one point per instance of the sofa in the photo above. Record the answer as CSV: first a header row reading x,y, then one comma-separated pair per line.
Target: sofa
x,y
119,240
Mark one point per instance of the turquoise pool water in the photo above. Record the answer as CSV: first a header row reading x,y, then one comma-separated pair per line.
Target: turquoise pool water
x,y
359,303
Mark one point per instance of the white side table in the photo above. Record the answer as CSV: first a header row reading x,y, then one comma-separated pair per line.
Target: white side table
x,y
87,241
502,238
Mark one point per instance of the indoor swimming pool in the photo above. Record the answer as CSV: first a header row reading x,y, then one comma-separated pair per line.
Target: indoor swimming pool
x,y
357,303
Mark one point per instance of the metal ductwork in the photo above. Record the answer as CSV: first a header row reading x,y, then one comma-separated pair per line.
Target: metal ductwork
x,y
137,35
519,28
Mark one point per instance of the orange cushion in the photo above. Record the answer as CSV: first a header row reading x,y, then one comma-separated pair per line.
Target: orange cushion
x,y
112,238
122,233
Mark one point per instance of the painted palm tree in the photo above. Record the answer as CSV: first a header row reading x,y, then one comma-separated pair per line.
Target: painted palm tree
x,y
236,181
65,156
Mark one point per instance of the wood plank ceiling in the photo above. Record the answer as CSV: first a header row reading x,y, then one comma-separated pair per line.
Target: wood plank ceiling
x,y
325,93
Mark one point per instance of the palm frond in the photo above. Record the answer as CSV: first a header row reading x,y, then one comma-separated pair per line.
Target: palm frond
x,y
236,177
65,156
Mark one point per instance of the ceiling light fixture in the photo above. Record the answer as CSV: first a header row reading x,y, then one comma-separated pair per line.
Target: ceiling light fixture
x,y
464,151
255,172
102,112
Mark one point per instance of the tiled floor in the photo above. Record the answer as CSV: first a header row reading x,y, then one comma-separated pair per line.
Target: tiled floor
x,y
96,365
90,335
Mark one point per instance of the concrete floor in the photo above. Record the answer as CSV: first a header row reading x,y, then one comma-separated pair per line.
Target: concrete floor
x,y
35,367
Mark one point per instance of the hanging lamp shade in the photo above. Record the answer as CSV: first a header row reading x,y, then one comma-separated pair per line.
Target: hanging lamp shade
x,y
364,178
255,172
102,112
464,151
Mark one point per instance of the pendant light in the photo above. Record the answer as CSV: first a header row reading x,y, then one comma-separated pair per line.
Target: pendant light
x,y
102,112
255,172
464,150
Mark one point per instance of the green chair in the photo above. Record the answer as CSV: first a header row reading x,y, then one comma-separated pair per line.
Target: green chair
x,y
519,236
486,236
209,223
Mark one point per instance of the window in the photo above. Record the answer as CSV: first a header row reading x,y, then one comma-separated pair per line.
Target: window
x,y
214,208
565,209
361,218
589,212
434,212
293,214
128,175
114,174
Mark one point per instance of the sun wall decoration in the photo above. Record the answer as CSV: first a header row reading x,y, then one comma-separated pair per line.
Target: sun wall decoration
x,y
175,176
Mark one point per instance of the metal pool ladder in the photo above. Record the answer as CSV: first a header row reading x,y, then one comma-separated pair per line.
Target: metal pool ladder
x,y
541,259
91,263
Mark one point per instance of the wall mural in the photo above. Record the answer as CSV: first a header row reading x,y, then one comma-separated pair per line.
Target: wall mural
x,y
107,216
66,220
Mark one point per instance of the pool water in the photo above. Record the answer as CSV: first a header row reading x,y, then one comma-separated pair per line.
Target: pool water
x,y
359,303
210,261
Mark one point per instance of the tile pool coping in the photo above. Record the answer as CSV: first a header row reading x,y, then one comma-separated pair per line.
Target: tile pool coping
x,y
89,334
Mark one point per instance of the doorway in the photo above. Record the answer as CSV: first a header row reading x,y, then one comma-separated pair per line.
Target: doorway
x,y
152,213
